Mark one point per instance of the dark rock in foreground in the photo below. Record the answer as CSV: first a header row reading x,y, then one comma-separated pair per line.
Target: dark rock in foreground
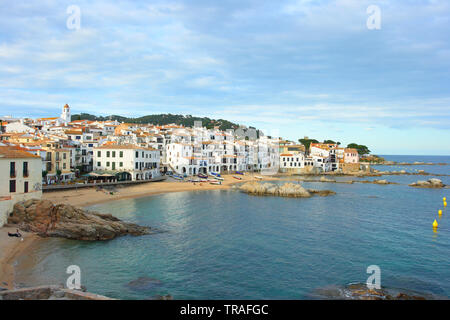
x,y
66,221
49,293
359,291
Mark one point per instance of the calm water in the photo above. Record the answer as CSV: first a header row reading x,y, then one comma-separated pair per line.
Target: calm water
x,y
228,245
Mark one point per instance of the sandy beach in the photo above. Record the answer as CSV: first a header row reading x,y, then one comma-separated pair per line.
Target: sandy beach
x,y
90,196
12,248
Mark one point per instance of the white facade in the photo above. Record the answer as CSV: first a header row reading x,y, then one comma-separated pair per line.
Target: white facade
x,y
135,162
292,161
22,176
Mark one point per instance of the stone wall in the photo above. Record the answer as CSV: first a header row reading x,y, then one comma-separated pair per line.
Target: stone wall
x,y
349,167
5,209
49,293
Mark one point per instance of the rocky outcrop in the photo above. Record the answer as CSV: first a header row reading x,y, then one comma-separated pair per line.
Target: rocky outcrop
x,y
66,221
49,293
360,291
431,183
286,190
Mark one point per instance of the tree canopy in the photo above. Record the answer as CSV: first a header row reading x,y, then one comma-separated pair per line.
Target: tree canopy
x,y
362,149
307,142
162,119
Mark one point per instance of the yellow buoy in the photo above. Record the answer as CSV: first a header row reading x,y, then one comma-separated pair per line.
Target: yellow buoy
x,y
445,203
440,212
444,198
435,224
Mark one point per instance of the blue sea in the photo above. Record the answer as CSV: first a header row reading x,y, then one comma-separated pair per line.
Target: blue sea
x,y
230,245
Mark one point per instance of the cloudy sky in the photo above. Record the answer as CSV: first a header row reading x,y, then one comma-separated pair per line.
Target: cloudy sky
x,y
293,68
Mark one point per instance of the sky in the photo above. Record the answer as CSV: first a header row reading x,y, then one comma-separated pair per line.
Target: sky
x,y
292,68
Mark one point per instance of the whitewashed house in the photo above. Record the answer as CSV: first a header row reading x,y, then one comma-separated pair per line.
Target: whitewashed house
x,y
21,174
127,162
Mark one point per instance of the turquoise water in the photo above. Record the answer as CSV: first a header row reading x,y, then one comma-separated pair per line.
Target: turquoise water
x,y
229,245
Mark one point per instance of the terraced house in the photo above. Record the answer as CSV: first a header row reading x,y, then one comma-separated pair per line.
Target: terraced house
x,y
126,162
21,178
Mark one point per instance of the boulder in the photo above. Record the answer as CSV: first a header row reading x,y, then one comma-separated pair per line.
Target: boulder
x,y
431,183
66,221
381,182
293,190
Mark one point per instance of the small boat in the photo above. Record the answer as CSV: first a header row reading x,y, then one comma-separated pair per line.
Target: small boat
x,y
219,178
238,178
216,182
258,177
177,177
203,176
238,172
215,174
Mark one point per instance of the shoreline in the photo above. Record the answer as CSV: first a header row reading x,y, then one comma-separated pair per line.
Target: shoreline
x,y
11,248
89,196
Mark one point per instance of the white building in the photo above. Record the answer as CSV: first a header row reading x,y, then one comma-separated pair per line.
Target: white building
x,y
292,161
21,174
65,115
127,162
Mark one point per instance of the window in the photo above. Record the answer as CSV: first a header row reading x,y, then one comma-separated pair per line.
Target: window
x,y
114,166
12,185
107,164
121,154
99,154
108,154
137,154
113,154
120,164
137,165
64,156
25,169
25,187
99,164
12,169
64,165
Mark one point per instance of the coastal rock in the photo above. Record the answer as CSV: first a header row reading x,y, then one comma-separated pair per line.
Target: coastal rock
x,y
66,221
360,291
286,190
323,179
431,183
381,182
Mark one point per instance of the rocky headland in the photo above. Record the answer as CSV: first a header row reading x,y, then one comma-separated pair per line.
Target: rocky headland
x,y
65,221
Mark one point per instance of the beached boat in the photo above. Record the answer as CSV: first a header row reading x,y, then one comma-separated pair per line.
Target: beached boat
x,y
203,176
258,177
177,177
215,174
219,178
216,182
238,178
238,172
